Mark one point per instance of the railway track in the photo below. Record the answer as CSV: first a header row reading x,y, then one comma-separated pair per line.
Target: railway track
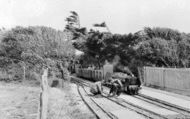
x,y
146,114
108,107
97,110
102,107
183,112
176,113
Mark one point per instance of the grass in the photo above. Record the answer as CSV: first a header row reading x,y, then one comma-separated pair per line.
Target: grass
x,y
18,101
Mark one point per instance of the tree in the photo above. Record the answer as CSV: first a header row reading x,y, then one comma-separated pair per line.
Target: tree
x,y
172,43
103,24
154,51
79,34
30,46
73,25
164,33
94,47
73,20
163,47
105,46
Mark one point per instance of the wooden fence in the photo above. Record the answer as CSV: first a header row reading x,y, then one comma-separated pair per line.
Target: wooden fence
x,y
171,78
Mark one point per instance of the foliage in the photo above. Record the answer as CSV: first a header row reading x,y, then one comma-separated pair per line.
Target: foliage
x,y
103,24
165,33
73,25
79,34
163,47
31,46
34,47
154,51
95,47
105,46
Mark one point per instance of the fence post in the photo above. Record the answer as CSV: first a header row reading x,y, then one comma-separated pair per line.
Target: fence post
x,y
145,80
44,96
164,78
140,75
24,72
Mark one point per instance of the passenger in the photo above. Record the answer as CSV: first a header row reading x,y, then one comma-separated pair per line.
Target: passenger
x,y
133,90
116,87
89,67
119,88
97,88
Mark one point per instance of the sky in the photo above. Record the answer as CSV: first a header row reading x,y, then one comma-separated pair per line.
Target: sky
x,y
121,16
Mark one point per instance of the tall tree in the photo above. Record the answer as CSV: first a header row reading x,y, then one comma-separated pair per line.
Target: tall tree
x,y
73,25
73,20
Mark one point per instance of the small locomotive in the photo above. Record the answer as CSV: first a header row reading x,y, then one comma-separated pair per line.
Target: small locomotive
x,y
131,84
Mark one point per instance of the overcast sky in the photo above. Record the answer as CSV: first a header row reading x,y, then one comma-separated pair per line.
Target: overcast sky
x,y
122,16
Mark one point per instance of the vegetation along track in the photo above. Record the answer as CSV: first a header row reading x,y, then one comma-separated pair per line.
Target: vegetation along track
x,y
141,110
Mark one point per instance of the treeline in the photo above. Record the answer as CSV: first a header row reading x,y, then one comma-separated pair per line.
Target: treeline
x,y
29,49
162,47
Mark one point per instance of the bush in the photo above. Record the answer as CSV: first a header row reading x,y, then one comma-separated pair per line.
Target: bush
x,y
33,76
4,76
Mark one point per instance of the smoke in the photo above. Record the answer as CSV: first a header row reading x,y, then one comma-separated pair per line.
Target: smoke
x,y
116,60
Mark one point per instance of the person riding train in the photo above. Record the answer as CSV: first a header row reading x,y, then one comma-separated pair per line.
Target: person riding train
x,y
116,87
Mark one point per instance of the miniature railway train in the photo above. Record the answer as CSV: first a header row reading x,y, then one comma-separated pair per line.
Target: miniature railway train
x,y
131,84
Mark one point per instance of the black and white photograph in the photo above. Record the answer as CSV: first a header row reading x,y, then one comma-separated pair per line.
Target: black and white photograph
x,y
94,59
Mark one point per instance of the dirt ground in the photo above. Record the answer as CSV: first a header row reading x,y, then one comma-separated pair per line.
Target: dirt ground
x,y
66,104
21,101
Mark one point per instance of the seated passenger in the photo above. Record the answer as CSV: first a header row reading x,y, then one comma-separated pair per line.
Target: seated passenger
x,y
133,89
116,87
97,88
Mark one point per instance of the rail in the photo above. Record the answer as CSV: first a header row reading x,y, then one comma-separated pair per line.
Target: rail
x,y
143,111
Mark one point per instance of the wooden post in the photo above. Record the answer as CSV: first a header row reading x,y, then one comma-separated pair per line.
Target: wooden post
x,y
24,72
164,79
140,75
144,74
44,96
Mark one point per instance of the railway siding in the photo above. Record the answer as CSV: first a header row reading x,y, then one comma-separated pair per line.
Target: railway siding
x,y
149,107
143,107
100,114
113,109
180,103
